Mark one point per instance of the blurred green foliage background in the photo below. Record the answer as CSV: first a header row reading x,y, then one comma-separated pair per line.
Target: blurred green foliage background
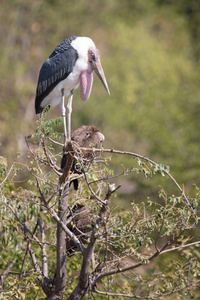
x,y
150,52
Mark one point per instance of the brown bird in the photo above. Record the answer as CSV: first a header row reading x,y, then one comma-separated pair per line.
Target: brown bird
x,y
88,137
82,219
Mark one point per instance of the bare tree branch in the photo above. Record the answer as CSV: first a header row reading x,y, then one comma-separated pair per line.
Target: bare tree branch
x,y
33,257
132,266
61,271
56,169
181,246
44,252
54,215
27,250
153,163
83,284
44,281
147,297
6,271
88,280
22,223
84,277
8,173
48,160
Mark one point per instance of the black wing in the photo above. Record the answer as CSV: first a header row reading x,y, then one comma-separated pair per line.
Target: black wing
x,y
55,69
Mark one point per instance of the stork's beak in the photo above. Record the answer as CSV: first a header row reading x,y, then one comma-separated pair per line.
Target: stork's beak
x,y
96,66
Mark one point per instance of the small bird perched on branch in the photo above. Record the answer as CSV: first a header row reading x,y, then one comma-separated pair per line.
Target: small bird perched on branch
x,y
82,218
88,137
85,215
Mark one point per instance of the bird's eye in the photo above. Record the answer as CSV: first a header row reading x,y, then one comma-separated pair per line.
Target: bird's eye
x,y
92,56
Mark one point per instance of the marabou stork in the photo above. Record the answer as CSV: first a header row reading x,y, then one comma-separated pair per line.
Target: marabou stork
x,y
71,63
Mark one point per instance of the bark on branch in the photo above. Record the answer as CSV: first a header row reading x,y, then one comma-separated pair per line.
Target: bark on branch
x,y
84,283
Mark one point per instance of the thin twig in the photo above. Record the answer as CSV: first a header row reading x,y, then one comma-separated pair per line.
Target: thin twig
x,y
132,266
147,297
20,275
33,257
55,142
102,150
47,161
22,223
6,271
84,277
7,174
54,215
182,246
56,169
91,190
44,252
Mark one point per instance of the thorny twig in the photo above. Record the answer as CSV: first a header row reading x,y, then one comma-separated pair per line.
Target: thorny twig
x,y
102,150
132,266
48,161
153,163
90,249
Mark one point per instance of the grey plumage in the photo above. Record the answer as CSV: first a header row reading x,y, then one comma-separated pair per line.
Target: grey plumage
x,y
55,69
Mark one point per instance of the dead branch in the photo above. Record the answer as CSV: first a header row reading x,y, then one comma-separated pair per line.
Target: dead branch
x,y
61,271
8,173
84,277
22,223
44,252
181,288
54,215
27,251
132,266
48,161
33,257
153,163
6,271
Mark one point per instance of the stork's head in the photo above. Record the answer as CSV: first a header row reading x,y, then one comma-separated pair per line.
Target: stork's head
x,y
94,60
89,61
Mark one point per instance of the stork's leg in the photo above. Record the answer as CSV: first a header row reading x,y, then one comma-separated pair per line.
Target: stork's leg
x,y
63,111
69,112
